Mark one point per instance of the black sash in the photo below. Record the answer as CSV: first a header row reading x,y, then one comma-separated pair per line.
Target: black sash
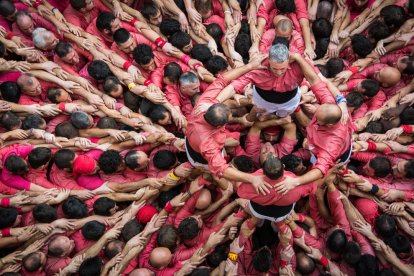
x,y
275,96
197,157
272,211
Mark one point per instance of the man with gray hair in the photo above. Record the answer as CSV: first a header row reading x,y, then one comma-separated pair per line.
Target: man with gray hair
x,y
180,94
276,88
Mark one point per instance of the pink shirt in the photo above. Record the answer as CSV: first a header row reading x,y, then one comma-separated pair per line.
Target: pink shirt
x,y
247,191
80,242
74,69
38,22
63,179
54,264
296,43
79,19
204,138
92,29
176,98
139,39
266,80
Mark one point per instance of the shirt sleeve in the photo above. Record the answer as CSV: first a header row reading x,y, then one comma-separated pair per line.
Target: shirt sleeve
x,y
322,93
172,96
253,147
14,181
377,101
214,156
301,9
90,182
241,82
285,146
338,212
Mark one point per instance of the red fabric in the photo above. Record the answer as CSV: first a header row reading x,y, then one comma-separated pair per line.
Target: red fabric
x,y
83,165
5,202
146,213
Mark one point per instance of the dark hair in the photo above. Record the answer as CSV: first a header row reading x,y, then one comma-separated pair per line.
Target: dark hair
x,y
169,26
63,158
385,225
15,164
273,167
291,162
242,45
39,156
374,127
371,87
142,54
321,47
166,196
31,262
215,31
93,230
10,91
361,45
281,40
131,229
410,7
10,121
112,248
164,159
394,16
378,30
7,8
262,260
304,264
407,116
74,208
91,267
200,271
44,213
218,255
8,216
217,115
132,101
80,120
321,28
149,10
285,6
109,161
216,64
157,113
409,65
78,4
103,206
409,169
53,93
399,243
381,166
180,39
188,229
201,53
367,266
104,20
131,159
354,99
167,237
334,66
244,163
62,49
2,49
121,36
107,122
32,121
173,71
98,70
337,241
352,253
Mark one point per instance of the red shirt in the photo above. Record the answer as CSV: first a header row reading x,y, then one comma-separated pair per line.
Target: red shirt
x,y
38,22
54,264
296,43
266,80
79,19
92,29
74,69
204,138
247,191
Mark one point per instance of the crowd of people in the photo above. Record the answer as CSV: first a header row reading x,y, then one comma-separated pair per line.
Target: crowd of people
x,y
207,137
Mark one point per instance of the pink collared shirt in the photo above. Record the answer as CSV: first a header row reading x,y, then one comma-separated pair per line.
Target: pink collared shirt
x,y
79,19
296,43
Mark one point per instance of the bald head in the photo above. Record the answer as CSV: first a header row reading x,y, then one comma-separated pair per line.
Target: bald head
x,y
217,115
304,264
141,272
324,10
160,257
204,200
328,114
284,28
279,17
389,76
26,79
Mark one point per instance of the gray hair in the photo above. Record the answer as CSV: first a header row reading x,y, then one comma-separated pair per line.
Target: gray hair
x,y
188,78
39,36
279,53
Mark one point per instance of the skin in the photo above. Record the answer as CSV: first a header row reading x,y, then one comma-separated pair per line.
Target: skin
x,y
278,69
327,111
204,200
30,85
25,24
72,57
388,76
160,257
65,243
190,89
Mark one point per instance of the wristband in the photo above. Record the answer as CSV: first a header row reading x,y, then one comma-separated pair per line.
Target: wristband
x,y
344,172
232,256
353,69
62,106
131,86
5,202
168,207
126,65
132,22
173,176
371,146
147,82
407,129
387,150
240,214
283,263
297,109
37,4
301,218
197,65
9,36
185,58
5,232
340,99
324,261
374,189
160,42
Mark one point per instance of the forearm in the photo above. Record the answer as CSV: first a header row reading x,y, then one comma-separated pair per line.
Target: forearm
x,y
43,75
309,177
304,24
